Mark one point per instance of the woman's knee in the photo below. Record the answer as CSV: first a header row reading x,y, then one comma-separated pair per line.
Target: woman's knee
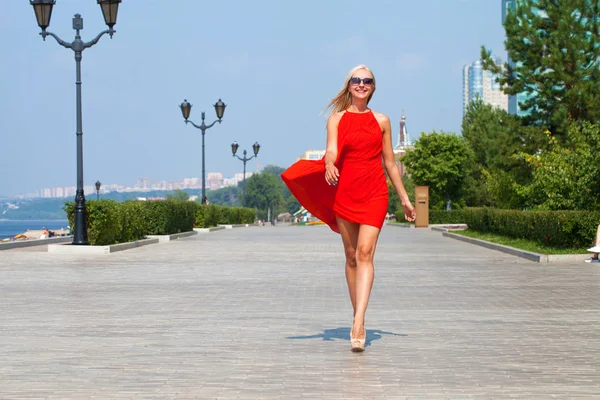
x,y
364,253
351,257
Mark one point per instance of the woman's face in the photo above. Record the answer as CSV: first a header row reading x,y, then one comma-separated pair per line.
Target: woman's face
x,y
361,84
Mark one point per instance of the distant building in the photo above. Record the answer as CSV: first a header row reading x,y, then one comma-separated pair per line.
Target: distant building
x,y
143,184
481,84
214,180
312,155
404,143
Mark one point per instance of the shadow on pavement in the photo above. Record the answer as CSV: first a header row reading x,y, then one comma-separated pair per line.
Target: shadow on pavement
x,y
344,334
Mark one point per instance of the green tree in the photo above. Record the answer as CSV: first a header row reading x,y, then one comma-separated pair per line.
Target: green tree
x,y
394,203
289,204
555,49
264,191
567,177
440,161
178,195
273,169
227,196
498,140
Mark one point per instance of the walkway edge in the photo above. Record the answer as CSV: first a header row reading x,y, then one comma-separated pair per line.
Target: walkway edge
x,y
168,238
88,250
34,242
528,255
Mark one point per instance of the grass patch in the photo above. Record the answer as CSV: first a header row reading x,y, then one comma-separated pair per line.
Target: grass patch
x,y
522,244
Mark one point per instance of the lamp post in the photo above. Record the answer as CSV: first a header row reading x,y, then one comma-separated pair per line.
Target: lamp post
x,y
43,12
186,108
234,149
98,185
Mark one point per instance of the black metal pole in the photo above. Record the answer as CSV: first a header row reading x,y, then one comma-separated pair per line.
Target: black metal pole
x,y
80,236
244,160
203,166
97,194
244,181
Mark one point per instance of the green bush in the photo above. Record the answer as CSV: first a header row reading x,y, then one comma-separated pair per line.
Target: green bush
x,y
103,224
110,222
447,217
166,217
560,229
200,221
214,214
134,221
439,216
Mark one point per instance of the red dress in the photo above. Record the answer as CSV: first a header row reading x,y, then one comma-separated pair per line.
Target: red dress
x,y
361,195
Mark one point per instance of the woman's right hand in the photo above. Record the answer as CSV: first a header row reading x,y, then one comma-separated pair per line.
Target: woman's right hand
x,y
331,174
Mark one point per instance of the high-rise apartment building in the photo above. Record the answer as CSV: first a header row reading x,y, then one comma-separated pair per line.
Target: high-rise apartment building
x,y
481,84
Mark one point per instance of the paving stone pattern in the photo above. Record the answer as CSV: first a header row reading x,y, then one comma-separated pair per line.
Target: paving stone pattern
x,y
263,313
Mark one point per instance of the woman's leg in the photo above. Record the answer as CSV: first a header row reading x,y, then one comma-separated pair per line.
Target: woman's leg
x,y
349,232
365,274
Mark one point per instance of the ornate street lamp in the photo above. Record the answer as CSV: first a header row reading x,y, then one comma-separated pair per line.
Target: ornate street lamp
x,y
98,185
186,109
43,12
110,9
234,149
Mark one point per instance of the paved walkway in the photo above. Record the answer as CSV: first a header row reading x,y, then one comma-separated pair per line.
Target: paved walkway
x,y
263,313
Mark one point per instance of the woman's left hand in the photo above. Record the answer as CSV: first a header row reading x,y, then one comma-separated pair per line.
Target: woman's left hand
x,y
409,212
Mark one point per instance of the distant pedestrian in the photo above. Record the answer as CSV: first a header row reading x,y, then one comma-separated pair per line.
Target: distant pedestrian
x,y
596,249
347,188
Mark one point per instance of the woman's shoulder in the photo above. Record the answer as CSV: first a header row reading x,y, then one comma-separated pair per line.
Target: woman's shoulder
x,y
335,117
381,118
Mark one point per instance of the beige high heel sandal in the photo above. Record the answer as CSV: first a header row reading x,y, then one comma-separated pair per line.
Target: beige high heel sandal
x,y
357,345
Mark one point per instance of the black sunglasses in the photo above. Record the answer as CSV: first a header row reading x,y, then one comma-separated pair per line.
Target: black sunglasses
x,y
356,81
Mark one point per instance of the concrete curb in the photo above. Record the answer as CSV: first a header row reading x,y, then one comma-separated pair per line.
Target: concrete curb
x,y
34,242
447,227
399,225
207,230
94,250
168,238
528,255
222,227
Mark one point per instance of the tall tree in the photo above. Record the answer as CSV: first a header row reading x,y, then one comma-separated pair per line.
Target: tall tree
x,y
567,176
441,161
273,169
554,46
291,205
498,140
264,191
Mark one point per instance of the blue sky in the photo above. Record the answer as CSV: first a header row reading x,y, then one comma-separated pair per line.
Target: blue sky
x,y
275,64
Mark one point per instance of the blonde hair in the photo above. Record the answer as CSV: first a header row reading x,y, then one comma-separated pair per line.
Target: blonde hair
x,y
343,99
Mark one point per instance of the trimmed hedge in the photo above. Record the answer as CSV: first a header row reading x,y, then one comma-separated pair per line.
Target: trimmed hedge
x,y
439,216
560,229
110,222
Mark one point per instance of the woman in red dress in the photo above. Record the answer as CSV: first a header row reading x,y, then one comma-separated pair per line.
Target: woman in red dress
x,y
347,189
